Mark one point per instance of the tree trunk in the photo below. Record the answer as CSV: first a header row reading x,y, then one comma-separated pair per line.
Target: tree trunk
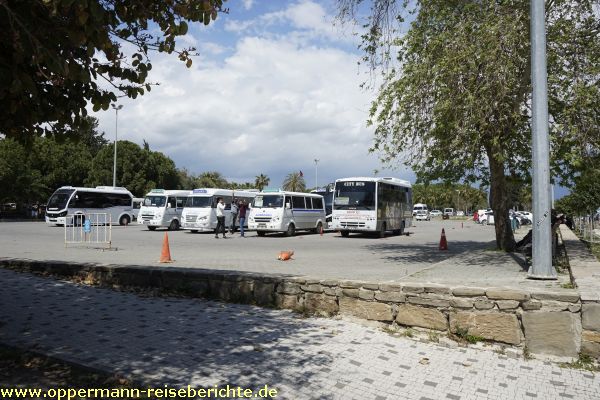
x,y
505,239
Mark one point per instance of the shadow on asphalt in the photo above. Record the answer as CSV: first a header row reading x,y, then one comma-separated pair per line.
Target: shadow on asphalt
x,y
430,253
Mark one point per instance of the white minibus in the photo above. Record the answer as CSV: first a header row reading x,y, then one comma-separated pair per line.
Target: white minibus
x,y
162,208
69,200
200,212
280,211
372,205
420,207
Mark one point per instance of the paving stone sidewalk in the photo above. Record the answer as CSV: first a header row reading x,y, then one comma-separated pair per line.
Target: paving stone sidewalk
x,y
203,343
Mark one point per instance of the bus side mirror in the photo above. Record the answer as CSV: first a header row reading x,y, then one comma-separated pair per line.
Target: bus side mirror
x,y
168,205
288,206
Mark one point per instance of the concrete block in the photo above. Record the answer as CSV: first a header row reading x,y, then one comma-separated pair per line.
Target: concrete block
x,y
553,333
468,291
431,318
461,303
365,309
591,316
499,327
392,297
320,303
570,297
507,304
366,294
507,294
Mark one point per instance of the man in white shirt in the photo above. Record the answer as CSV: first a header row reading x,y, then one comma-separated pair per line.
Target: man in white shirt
x,y
220,218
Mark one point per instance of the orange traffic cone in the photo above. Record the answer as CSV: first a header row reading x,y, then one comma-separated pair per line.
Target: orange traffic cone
x,y
443,242
285,255
165,254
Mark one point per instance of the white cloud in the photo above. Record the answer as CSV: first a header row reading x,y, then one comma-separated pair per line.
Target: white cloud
x,y
272,107
248,4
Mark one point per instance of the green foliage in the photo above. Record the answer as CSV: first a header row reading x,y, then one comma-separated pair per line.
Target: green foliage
x,y
294,182
261,181
57,52
138,169
212,179
440,195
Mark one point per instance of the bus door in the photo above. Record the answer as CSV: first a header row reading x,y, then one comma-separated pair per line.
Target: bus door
x,y
171,209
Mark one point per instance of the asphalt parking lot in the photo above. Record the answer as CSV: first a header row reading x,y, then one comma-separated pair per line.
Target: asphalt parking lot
x,y
470,259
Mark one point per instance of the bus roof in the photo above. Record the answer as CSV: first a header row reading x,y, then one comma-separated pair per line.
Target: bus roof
x,y
291,193
393,181
158,192
98,189
223,192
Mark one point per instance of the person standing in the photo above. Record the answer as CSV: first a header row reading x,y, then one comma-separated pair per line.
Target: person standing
x,y
220,218
234,214
242,212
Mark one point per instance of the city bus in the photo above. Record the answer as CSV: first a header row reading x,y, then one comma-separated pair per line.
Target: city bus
x,y
200,212
377,205
280,211
162,208
68,200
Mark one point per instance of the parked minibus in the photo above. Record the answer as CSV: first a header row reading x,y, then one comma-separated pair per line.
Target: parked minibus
x,y
69,200
365,204
281,211
200,212
162,208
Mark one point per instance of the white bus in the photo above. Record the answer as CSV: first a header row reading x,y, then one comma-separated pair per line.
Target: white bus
x,y
69,200
372,205
279,211
200,212
162,208
419,207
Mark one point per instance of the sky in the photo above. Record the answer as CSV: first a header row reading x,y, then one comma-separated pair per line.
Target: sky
x,y
276,86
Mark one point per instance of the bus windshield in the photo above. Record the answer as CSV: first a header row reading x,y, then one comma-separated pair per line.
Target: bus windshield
x,y
155,201
59,199
268,201
354,195
199,202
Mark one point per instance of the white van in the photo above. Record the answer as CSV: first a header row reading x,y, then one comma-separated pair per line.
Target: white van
x,y
279,211
420,207
162,208
200,212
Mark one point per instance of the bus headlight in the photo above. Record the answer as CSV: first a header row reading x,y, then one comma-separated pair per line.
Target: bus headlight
x,y
158,215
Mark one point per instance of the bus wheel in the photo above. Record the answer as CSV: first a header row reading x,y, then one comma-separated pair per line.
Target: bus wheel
x,y
345,233
124,220
318,228
260,233
151,228
291,231
381,232
78,219
174,225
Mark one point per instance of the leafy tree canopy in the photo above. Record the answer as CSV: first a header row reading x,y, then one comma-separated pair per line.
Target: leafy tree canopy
x,y
294,182
58,56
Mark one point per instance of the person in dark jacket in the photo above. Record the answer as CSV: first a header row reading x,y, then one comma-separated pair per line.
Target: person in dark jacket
x,y
242,209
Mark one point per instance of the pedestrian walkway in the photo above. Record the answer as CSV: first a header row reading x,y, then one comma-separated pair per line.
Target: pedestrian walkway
x,y
178,342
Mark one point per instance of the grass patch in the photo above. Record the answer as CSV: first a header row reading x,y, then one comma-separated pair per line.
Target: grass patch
x,y
584,362
567,285
433,336
408,333
463,335
595,249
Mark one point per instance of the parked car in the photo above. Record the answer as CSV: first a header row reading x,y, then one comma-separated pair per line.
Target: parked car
x,y
487,218
422,216
526,215
460,213
435,213
448,212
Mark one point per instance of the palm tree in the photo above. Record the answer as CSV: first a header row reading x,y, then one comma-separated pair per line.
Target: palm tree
x,y
294,182
211,179
261,181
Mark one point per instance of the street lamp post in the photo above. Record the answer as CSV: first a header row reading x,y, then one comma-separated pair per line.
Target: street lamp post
x,y
316,174
116,108
541,265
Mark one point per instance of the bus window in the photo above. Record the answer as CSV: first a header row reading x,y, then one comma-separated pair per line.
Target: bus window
x,y
298,202
317,203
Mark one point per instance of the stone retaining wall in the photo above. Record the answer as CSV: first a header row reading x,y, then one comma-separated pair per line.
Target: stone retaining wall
x,y
585,270
545,322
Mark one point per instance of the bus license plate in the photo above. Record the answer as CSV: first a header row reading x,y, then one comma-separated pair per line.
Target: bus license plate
x,y
262,225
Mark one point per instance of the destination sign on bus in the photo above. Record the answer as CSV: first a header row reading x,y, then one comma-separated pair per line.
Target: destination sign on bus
x,y
353,183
